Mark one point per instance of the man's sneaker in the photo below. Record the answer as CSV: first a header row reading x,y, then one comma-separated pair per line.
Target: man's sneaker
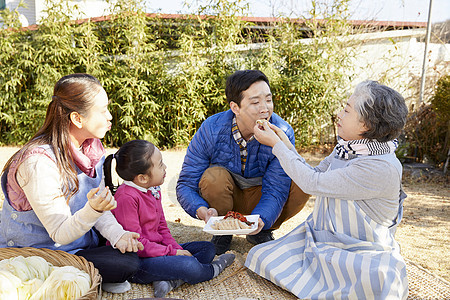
x,y
222,243
262,237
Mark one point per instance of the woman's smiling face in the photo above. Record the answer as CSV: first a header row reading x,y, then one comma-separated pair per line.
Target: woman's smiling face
x,y
98,120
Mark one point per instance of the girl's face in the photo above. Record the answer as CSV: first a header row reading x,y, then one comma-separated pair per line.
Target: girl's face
x,y
349,126
157,172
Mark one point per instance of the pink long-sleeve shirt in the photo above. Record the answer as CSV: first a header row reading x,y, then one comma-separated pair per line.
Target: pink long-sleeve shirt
x,y
139,211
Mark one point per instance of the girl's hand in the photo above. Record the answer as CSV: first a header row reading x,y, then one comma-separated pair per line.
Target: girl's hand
x,y
260,227
183,252
129,243
102,202
204,213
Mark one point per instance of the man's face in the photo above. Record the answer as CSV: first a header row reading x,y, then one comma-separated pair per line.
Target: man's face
x,y
256,104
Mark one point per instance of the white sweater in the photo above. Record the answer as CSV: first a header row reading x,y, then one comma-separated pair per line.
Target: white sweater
x,y
41,182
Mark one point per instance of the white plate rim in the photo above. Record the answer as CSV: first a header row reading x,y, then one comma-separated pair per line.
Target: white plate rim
x,y
250,218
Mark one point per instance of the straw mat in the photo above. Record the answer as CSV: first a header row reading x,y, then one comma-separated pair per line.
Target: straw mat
x,y
238,282
234,282
425,285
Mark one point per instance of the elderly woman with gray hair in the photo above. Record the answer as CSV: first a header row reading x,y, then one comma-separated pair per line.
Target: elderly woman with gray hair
x,y
346,247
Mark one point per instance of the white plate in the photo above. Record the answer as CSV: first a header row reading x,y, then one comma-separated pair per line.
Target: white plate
x,y
212,220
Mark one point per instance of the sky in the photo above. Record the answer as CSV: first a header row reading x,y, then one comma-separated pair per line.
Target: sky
x,y
380,10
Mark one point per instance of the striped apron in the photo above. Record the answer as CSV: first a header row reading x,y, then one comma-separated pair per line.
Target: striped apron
x,y
337,253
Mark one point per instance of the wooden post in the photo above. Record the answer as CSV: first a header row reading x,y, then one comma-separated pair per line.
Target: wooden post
x,y
425,54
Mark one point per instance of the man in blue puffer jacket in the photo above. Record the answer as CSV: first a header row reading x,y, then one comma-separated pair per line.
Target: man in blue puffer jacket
x,y
226,168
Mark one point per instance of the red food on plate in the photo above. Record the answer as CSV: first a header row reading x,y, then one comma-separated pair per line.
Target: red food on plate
x,y
238,216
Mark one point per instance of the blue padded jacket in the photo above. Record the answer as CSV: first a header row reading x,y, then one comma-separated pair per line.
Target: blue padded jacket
x,y
213,144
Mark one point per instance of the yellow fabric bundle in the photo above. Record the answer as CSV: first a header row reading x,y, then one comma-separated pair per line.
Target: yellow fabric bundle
x,y
9,284
27,268
33,278
65,282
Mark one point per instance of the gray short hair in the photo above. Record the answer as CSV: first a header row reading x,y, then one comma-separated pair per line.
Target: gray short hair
x,y
382,109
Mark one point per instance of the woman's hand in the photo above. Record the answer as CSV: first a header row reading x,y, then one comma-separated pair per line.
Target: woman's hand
x,y
270,134
283,137
183,252
102,202
128,242
260,227
265,135
204,213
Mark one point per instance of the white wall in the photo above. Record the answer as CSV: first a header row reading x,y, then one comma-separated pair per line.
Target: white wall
x,y
28,13
396,59
34,10
86,9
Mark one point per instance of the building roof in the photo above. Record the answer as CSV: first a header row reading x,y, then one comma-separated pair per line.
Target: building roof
x,y
265,22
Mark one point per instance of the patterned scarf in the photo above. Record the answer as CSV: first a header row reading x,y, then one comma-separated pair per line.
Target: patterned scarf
x,y
354,148
241,143
155,191
90,154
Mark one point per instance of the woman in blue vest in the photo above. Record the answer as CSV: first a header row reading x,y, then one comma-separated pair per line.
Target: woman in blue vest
x,y
54,193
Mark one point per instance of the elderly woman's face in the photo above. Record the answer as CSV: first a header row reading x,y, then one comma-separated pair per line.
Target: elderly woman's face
x,y
349,126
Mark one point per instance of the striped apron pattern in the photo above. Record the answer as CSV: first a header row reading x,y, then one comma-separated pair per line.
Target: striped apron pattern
x,y
337,253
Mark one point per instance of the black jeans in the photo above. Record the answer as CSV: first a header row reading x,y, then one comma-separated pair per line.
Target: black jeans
x,y
112,265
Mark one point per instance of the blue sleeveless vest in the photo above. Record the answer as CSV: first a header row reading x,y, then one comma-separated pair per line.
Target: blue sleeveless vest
x,y
23,228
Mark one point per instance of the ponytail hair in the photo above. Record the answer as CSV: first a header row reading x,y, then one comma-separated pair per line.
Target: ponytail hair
x,y
72,93
108,174
133,158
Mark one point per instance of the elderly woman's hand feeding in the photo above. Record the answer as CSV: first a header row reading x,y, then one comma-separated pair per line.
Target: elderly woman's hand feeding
x,y
269,134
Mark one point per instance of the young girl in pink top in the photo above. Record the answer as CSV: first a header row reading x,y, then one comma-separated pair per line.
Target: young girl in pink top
x,y
162,261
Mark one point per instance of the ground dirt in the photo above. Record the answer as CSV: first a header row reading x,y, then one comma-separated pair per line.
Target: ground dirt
x,y
423,234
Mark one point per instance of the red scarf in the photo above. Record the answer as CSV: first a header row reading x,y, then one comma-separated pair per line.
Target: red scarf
x,y
90,154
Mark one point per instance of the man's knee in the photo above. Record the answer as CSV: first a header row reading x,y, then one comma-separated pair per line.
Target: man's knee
x,y
297,198
216,180
215,176
216,187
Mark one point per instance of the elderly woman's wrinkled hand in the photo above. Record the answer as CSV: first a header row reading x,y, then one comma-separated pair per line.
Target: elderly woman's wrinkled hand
x,y
270,134
283,137
265,135
129,243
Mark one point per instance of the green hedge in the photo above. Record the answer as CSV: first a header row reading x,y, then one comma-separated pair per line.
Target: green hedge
x,y
164,77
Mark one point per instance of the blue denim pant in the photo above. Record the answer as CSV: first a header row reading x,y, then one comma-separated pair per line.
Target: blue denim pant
x,y
113,265
192,269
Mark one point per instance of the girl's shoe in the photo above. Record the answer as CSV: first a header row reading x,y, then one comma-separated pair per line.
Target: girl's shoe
x,y
162,288
116,288
222,262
